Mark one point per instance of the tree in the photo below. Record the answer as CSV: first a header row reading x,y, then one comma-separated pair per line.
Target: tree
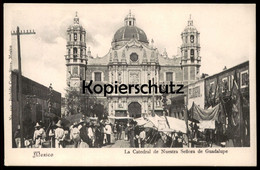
x,y
99,111
87,104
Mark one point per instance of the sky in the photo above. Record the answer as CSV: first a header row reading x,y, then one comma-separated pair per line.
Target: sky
x,y
227,33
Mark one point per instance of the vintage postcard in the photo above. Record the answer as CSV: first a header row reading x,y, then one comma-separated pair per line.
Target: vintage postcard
x,y
130,84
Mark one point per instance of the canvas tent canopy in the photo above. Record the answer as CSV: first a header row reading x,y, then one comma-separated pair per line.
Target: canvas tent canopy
x,y
113,118
177,125
166,124
199,114
207,117
140,121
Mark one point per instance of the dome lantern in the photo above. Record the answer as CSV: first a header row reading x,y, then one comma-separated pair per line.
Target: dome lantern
x,y
130,19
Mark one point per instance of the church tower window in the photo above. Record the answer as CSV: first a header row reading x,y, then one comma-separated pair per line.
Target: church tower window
x,y
75,36
192,55
75,51
192,38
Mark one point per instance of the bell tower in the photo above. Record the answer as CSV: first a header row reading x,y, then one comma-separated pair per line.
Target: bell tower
x,y
76,58
190,53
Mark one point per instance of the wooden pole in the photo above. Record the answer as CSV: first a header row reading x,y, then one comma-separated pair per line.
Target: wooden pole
x,y
20,88
18,33
153,99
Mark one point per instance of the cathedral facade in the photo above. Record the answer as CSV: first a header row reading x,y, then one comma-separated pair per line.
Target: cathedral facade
x,y
132,59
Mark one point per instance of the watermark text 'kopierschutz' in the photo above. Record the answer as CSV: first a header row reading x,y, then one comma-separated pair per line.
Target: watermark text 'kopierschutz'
x,y
131,88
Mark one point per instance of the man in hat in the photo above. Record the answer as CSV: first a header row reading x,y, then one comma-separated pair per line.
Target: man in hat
x,y
75,135
39,135
108,131
59,135
83,133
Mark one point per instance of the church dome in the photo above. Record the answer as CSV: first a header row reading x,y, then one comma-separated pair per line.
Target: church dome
x,y
127,32
190,27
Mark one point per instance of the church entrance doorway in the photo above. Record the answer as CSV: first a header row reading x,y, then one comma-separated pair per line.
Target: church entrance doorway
x,y
134,109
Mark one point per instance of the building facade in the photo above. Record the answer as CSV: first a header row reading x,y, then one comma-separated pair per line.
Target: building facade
x,y
132,59
196,94
34,103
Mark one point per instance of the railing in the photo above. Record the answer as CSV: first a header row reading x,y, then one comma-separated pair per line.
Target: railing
x,y
80,43
191,45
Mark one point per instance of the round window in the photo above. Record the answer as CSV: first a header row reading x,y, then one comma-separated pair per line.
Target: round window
x,y
134,57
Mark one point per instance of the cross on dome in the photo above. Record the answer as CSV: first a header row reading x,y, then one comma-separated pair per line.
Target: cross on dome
x,y
76,19
190,21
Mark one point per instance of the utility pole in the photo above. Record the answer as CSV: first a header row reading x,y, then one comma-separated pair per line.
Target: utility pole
x,y
153,100
18,33
164,100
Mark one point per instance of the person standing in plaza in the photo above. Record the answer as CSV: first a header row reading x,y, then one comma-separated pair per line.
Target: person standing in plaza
x,y
90,134
75,135
102,131
97,142
131,134
108,131
142,137
136,132
52,128
83,135
119,131
17,137
38,136
127,132
59,135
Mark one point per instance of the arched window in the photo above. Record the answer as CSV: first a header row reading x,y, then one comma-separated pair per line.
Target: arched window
x,y
192,38
75,36
192,55
75,52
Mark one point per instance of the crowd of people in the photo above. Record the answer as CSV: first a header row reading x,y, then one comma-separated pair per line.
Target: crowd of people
x,y
99,133
83,134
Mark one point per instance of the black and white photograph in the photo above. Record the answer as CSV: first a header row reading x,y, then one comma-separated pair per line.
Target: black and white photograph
x,y
158,82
